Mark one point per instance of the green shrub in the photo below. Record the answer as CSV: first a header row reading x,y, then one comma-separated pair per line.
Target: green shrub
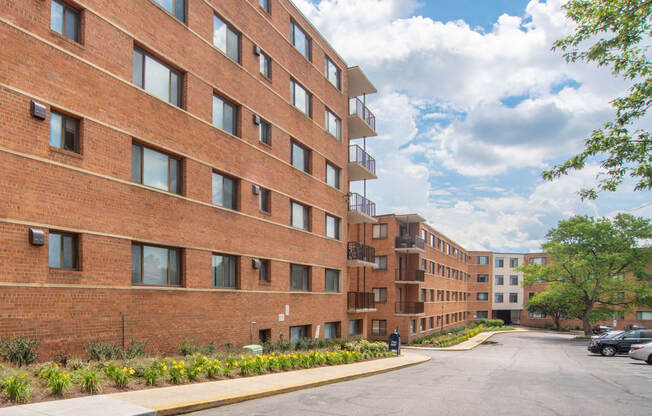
x,y
90,381
47,371
59,382
177,372
187,347
20,351
209,349
75,364
100,351
18,388
135,349
495,322
152,374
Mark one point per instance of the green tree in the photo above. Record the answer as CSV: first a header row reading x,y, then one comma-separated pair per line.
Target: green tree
x,y
557,301
589,260
614,34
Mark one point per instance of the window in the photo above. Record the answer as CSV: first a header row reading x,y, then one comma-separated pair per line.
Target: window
x,y
152,265
422,295
174,7
432,267
482,278
482,296
300,40
513,280
498,297
618,315
513,262
300,157
500,280
530,295
64,132
333,73
448,296
265,132
226,39
264,273
536,315
333,175
265,65
413,326
379,231
380,294
331,330
265,5
538,260
500,262
643,316
264,203
432,240
299,216
332,280
422,324
483,259
301,98
432,295
333,125
299,278
381,263
431,322
157,78
62,251
355,327
225,191
153,168
224,270
299,332
332,227
378,327
424,264
447,319
225,115
513,298
424,235
265,335
65,20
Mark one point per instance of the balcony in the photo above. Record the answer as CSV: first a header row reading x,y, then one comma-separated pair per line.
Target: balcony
x,y
409,276
361,210
361,165
409,244
360,255
357,302
408,308
358,83
362,122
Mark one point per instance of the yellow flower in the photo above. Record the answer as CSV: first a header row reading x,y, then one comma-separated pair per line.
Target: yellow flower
x,y
131,371
174,362
182,371
165,368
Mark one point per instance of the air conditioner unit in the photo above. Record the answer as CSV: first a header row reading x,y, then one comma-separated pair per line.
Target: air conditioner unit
x,y
256,263
257,50
37,110
256,119
255,189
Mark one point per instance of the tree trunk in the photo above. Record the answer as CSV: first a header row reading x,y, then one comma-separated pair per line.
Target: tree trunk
x,y
585,321
557,321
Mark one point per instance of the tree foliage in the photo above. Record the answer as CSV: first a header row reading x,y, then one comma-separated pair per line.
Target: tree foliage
x,y
600,266
557,302
618,32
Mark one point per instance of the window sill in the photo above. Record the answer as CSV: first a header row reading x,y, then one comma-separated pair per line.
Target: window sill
x,y
265,213
265,77
146,285
66,152
264,282
67,40
266,145
58,271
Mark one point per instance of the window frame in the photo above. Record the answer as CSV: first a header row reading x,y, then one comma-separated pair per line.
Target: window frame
x,y
338,124
380,227
478,297
480,260
293,27
75,250
338,175
78,21
265,271
236,264
141,173
337,325
379,263
305,283
338,82
358,325
65,118
230,30
513,278
235,109
378,327
306,219
514,296
142,246
306,156
337,280
293,97
235,193
499,280
264,200
267,60
499,295
337,225
484,276
640,315
378,294
173,13
267,7
180,76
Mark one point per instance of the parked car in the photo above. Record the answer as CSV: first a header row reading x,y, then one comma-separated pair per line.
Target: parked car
x,y
641,352
601,329
619,344
634,327
609,334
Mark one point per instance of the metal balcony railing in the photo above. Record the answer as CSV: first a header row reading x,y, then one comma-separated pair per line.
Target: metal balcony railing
x,y
356,106
360,300
361,252
410,242
404,275
361,204
408,308
362,158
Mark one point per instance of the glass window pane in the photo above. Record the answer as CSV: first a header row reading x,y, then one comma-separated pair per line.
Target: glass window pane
x,y
55,129
175,275
136,259
298,157
219,33
138,68
54,250
229,118
56,17
300,98
229,271
298,219
68,252
167,5
229,193
218,112
218,271
70,136
155,169
175,175
155,265
180,10
233,46
136,161
175,88
157,78
218,189
71,19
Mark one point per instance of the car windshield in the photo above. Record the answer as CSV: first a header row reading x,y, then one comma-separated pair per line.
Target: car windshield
x,y
611,334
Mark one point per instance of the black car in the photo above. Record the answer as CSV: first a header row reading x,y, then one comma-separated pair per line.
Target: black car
x,y
634,327
601,329
619,343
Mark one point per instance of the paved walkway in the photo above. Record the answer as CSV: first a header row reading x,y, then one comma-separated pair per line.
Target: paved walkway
x,y
189,397
469,344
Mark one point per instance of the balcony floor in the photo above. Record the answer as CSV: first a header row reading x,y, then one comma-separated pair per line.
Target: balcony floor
x,y
357,217
359,263
357,172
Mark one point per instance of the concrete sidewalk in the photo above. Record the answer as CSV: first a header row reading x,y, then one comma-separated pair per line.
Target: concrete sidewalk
x,y
470,343
192,397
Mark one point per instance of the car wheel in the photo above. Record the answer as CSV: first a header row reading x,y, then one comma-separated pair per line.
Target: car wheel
x,y
608,351
649,359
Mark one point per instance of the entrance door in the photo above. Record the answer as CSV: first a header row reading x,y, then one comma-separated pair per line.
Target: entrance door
x,y
506,316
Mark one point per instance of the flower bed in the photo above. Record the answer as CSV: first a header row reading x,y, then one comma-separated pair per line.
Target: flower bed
x,y
458,335
50,381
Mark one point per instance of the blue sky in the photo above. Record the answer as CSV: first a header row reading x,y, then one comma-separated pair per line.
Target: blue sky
x,y
472,106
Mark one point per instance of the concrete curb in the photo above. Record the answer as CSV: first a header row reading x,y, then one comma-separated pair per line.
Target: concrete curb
x,y
180,408
512,331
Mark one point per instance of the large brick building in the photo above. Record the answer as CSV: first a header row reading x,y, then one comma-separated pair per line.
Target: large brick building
x,y
174,169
